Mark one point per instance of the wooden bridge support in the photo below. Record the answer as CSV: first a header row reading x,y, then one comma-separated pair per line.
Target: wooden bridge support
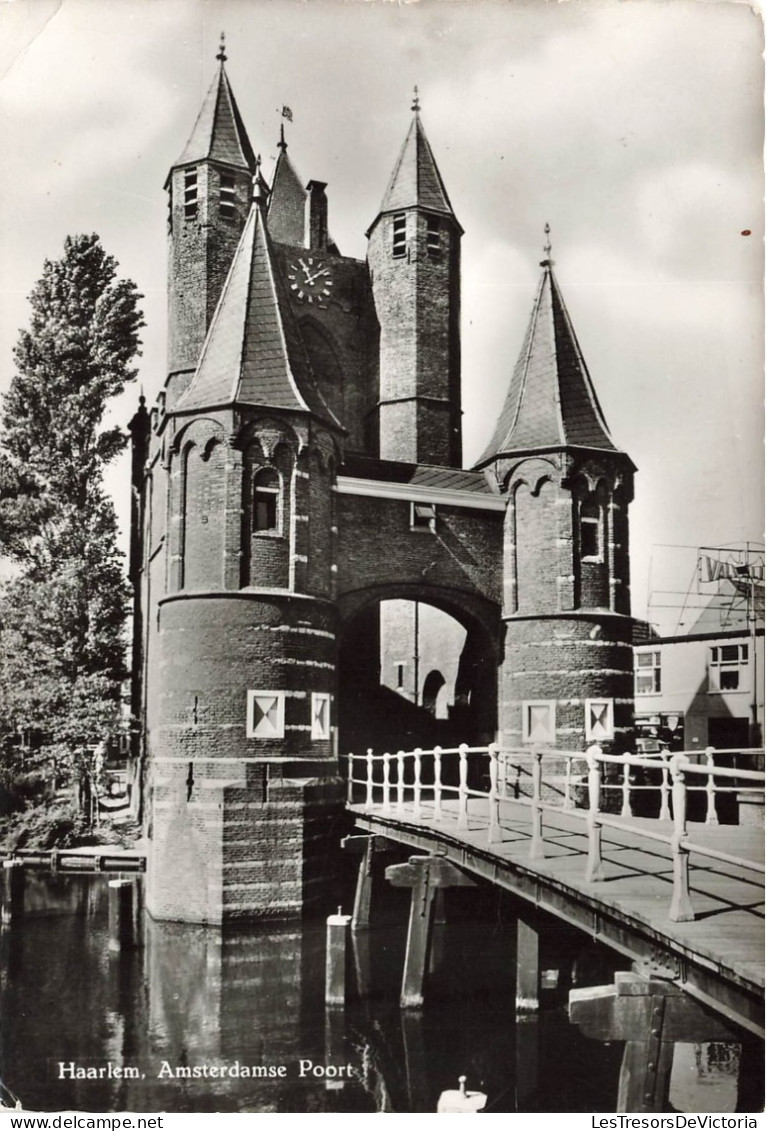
x,y
123,916
650,1015
528,967
424,875
367,847
13,891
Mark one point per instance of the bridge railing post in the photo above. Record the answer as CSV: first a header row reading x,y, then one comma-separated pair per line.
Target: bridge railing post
x,y
681,906
595,870
463,787
537,851
626,792
418,753
665,791
350,780
386,782
400,780
494,821
711,817
437,783
369,779
568,801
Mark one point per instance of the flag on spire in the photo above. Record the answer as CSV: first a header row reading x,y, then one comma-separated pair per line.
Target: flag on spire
x,y
287,113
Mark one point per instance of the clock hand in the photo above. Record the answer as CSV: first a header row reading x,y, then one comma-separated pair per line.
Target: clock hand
x,y
310,278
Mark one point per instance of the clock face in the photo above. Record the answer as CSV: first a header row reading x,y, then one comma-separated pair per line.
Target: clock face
x,y
310,281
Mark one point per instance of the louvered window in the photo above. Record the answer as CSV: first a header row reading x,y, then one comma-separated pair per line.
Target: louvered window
x,y
190,194
266,498
399,236
433,238
227,199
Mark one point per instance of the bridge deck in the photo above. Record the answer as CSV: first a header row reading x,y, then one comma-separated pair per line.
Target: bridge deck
x,y
719,956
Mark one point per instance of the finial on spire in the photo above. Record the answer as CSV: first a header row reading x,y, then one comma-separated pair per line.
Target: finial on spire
x,y
282,144
547,261
257,184
416,101
222,48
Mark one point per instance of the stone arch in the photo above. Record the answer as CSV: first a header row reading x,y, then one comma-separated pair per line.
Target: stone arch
x,y
368,717
203,511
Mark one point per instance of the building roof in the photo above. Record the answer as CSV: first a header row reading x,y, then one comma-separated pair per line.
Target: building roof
x,y
254,353
417,474
219,133
551,402
416,181
287,203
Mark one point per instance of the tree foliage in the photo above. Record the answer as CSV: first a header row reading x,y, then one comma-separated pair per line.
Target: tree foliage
x,y
62,616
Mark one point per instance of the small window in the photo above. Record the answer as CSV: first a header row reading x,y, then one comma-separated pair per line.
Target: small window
x,y
266,498
399,236
728,667
400,669
423,516
591,531
320,716
647,673
190,194
226,204
433,238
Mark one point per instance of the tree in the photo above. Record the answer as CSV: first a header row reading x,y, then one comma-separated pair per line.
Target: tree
x,y
62,617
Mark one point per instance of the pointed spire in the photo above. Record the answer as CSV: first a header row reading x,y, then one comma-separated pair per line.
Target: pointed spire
x,y
416,180
282,144
254,353
547,261
219,133
551,402
287,203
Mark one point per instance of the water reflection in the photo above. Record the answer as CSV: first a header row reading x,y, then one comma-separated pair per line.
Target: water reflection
x,y
235,1021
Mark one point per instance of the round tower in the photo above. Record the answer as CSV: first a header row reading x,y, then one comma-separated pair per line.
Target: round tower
x,y
567,675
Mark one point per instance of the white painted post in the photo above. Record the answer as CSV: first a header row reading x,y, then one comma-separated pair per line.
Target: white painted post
x,y
568,804
400,780
626,791
386,782
463,787
665,790
537,851
350,780
369,781
437,783
417,783
494,824
595,870
711,817
681,906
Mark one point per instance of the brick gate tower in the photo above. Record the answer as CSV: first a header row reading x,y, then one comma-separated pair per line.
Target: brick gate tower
x,y
300,469
567,675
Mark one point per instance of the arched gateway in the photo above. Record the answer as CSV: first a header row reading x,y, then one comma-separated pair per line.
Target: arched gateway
x,y
301,516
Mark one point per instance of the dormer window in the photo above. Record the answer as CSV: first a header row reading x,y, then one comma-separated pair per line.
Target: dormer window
x,y
226,203
190,194
433,238
399,236
266,498
423,517
591,531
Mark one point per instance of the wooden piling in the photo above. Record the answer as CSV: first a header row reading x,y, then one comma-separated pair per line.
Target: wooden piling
x,y
528,968
335,959
123,934
13,883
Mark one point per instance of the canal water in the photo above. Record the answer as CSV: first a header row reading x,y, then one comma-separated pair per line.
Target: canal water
x,y
197,1020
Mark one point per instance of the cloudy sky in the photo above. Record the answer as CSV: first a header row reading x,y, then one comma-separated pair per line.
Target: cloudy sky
x,y
633,127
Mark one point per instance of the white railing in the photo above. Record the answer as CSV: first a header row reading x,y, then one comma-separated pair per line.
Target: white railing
x,y
415,785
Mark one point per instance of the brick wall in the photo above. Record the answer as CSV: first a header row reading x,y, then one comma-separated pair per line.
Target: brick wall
x,y
417,300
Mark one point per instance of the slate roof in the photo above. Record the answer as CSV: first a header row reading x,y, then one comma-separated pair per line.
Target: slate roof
x,y
254,354
219,133
551,402
417,474
416,180
287,203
